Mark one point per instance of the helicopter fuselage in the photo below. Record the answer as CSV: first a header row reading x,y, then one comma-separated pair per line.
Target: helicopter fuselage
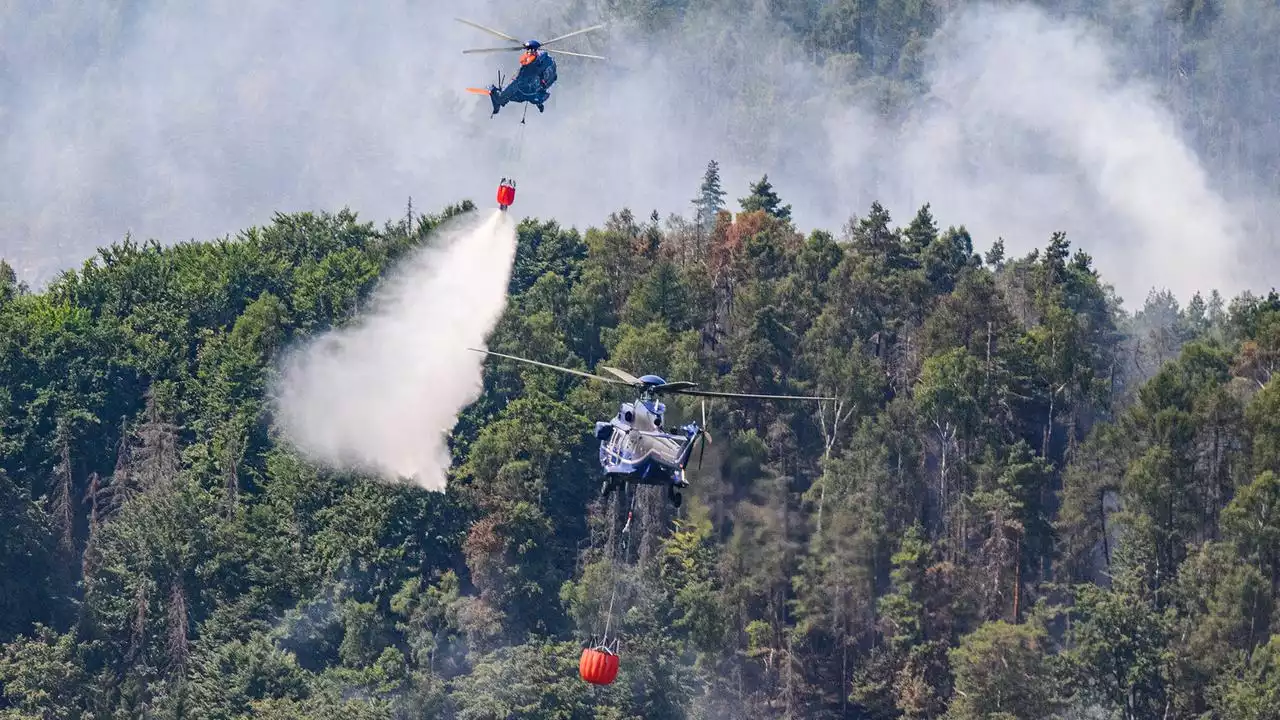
x,y
634,449
530,85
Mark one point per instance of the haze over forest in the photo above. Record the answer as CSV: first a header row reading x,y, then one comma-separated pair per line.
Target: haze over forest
x,y
250,470
1145,129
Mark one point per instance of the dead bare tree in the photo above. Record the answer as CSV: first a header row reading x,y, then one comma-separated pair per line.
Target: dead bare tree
x,y
177,616
156,461
91,496
147,459
232,454
138,636
121,488
829,437
63,511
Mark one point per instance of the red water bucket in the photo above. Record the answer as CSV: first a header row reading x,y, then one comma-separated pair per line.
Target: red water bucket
x,y
598,666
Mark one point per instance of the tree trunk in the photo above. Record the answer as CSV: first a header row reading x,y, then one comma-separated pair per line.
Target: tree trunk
x,y
1017,583
177,612
63,512
1106,541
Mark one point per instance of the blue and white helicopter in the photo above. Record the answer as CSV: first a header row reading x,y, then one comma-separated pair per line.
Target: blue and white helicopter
x,y
532,83
634,448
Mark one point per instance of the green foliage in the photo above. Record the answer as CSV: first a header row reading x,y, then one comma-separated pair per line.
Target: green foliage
x,y
27,562
42,675
764,198
1002,670
710,200
1254,693
1025,501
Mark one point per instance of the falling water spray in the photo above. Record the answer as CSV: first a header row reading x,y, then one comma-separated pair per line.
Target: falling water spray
x,y
382,394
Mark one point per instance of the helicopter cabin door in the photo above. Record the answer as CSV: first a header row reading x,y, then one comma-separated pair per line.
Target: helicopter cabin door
x,y
616,444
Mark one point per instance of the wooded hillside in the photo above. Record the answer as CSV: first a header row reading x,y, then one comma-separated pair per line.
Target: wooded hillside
x,y
1025,502
1029,501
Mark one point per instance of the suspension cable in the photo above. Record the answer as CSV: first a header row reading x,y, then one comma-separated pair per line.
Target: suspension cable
x,y
613,594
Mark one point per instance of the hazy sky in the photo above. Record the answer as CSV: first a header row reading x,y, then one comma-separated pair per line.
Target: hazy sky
x,y
181,120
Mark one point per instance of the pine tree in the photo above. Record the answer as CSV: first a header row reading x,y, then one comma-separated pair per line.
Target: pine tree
x,y
710,198
763,197
8,281
922,231
92,496
995,256
63,507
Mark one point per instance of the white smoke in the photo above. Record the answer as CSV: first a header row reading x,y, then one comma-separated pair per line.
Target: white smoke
x,y
191,120
381,394
1014,88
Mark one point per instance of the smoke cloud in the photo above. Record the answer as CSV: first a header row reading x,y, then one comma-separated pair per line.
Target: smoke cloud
x,y
1092,153
381,394
178,120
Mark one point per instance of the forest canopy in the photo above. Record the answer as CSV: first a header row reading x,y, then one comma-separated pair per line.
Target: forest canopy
x,y
1027,502
1030,500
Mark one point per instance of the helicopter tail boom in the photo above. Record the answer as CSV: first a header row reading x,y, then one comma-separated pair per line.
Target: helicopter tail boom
x,y
495,96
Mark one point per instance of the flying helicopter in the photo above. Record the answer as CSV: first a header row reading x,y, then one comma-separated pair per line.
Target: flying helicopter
x,y
537,73
634,448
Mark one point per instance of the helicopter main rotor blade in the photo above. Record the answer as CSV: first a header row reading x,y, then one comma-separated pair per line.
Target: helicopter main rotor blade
x,y
551,367
675,387
566,52
708,393
491,31
628,377
480,50
575,32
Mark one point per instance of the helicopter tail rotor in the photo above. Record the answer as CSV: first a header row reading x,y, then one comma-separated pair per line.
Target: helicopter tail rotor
x,y
704,437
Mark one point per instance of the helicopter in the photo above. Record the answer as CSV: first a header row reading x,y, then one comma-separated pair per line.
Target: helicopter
x,y
634,449
537,69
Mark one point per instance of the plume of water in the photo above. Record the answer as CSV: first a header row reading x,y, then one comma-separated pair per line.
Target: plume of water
x,y
381,394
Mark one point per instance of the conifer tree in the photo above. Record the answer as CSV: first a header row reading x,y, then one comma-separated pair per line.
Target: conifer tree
x,y
710,198
8,281
995,256
764,197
